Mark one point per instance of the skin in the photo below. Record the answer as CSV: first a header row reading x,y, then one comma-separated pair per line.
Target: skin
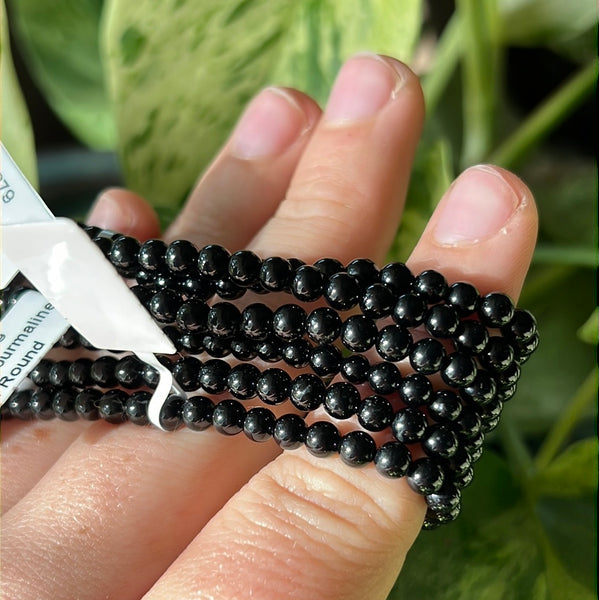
x,y
96,511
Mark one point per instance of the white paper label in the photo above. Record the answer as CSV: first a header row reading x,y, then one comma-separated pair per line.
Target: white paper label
x,y
27,332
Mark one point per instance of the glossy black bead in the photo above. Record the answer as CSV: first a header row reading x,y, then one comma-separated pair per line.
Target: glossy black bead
x,y
80,372
397,277
192,315
444,500
181,257
445,406
328,267
375,413
471,337
69,339
164,305
213,262
19,405
128,372
223,319
40,404
273,386
409,425
355,368
458,370
426,356
524,349
498,354
392,459
123,253
322,438
186,372
136,408
431,285
357,448
460,462
143,293
297,353
102,371
521,327
227,289
509,376
40,374
86,404
243,349
145,279
244,268
193,343
307,392
289,322
197,412
342,291
270,350
491,410
342,400
425,476
213,376
259,424
384,378
307,283
59,374
463,297
289,431
325,360
482,390
409,310
103,244
218,347
495,310
275,274
468,424
296,263
151,255
415,390
442,518
256,321
475,443
474,452
440,441
358,333
171,413
111,406
150,376
464,480
196,287
323,325
377,301
163,281
393,342
242,380
441,321
364,271
228,417
63,405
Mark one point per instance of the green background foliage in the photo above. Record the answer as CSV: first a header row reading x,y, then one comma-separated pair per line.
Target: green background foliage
x,y
163,83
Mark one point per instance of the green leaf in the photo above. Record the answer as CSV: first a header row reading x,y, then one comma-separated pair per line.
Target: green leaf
x,y
17,134
59,40
589,332
180,72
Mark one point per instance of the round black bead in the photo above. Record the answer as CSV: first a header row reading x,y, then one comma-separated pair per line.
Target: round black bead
x,y
325,360
192,315
342,400
164,305
322,438
441,321
197,413
358,333
244,268
525,349
270,350
509,376
104,244
328,267
409,310
471,337
228,417
375,413
40,404
431,285
223,319
342,291
297,353
364,271
377,301
289,322
357,448
59,374
228,289
63,405
196,287
384,378
458,370
440,441
86,404
40,374
136,408
425,476
111,406
259,424
495,310
307,283
445,500
392,459
102,371
213,262
416,390
397,277
242,380
69,339
275,274
498,354
445,406
123,253
461,461
170,413
243,349
307,392
186,372
468,424
521,328
463,297
150,376
289,431
215,346
213,376
151,255
409,425
355,368
426,356
79,372
464,480
256,321
393,342
128,372
323,325
482,390
19,405
273,386
181,257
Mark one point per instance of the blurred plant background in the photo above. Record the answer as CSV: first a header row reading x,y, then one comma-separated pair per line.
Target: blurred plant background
x,y
160,84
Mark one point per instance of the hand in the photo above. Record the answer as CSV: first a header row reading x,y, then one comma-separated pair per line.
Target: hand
x,y
102,511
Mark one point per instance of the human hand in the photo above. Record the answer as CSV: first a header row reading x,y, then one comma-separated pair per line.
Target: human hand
x,y
98,511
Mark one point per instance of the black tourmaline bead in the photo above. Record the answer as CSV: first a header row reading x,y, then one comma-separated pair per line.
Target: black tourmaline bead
x,y
342,291
445,500
440,441
471,337
19,405
86,404
289,431
144,278
505,393
259,424
104,244
342,400
171,413
197,412
306,284
181,257
328,267
111,406
498,354
270,350
521,328
307,392
509,376
460,462
409,425
289,322
323,325
392,459
357,448
40,404
441,321
364,271
296,263
196,287
275,274
297,353
151,255
186,372
244,268
59,374
475,442
193,343
242,380
136,408
445,406
491,410
223,320
79,372
128,372
426,356
495,310
227,289
358,333
464,480
228,417
322,438
442,518
468,424
463,297
164,305
384,378
143,293
213,376
40,374
525,349
397,277
355,368
102,371
458,370
192,315
163,281
393,342
123,254
325,360
63,405
273,386
409,310
69,339
213,262
482,390
431,285
425,476
243,349
490,424
416,390
375,413
256,321
214,345
377,301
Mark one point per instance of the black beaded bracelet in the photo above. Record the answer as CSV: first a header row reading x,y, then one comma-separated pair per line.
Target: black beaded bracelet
x,y
445,359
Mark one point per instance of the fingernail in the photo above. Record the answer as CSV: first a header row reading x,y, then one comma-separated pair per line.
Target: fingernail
x,y
107,211
364,85
476,207
272,122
